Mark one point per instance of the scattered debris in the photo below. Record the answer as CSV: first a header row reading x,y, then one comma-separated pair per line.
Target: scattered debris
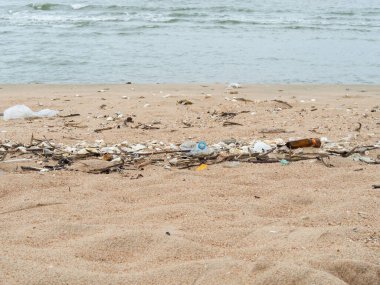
x,y
187,125
184,102
284,103
376,186
226,115
274,131
102,129
358,128
75,125
69,116
145,127
128,120
229,123
242,99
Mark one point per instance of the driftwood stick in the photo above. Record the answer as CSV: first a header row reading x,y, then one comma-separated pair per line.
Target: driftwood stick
x,y
102,129
104,169
69,116
26,168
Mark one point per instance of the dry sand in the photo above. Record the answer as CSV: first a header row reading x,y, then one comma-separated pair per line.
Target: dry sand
x,y
254,224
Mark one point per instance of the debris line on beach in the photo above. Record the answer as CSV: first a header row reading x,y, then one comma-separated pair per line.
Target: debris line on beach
x,y
99,157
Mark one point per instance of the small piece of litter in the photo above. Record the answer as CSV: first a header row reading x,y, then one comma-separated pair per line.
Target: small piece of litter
x,y
234,85
184,102
284,162
202,167
24,112
261,147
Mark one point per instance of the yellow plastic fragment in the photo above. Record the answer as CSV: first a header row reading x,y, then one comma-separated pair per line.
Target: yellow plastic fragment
x,y
201,167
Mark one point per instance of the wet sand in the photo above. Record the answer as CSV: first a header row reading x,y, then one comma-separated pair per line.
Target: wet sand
x,y
302,223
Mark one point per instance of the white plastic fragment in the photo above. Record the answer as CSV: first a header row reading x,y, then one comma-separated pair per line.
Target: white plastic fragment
x,y
260,147
110,149
24,112
234,85
187,145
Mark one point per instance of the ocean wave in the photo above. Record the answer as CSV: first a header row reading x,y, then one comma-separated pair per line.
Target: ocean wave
x,y
79,6
236,22
44,6
187,15
48,6
343,13
57,6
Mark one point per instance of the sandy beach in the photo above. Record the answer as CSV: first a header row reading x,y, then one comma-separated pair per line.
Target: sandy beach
x,y
302,223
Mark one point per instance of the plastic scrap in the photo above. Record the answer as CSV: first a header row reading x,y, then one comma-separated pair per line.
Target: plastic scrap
x,y
260,147
234,85
284,162
24,112
201,167
199,149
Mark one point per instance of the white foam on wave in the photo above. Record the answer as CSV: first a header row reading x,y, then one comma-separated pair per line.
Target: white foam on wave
x,y
78,6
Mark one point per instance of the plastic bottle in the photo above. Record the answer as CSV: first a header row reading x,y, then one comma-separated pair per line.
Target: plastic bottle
x,y
313,142
201,150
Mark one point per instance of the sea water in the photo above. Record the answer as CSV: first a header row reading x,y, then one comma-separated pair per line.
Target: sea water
x,y
287,41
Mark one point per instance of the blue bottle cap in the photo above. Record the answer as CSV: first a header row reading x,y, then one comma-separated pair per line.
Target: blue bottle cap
x,y
202,145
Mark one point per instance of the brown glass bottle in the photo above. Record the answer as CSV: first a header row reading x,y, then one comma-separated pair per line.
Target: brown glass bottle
x,y
314,142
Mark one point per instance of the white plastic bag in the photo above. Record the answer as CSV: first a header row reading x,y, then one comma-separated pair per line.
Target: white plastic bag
x,y
260,147
23,112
